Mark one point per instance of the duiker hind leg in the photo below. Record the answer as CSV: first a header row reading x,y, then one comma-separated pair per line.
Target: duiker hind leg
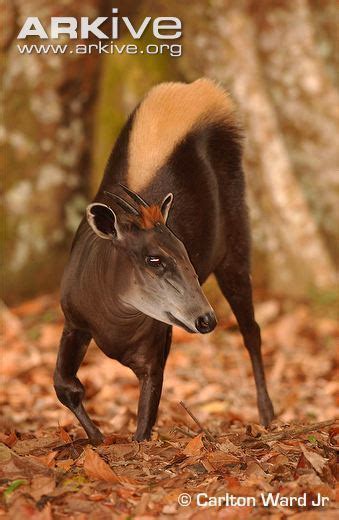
x,y
70,391
237,289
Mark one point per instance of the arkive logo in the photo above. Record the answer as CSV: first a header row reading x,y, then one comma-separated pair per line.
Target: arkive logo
x,y
164,27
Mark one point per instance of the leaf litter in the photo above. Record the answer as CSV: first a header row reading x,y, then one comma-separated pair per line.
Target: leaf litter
x,y
206,440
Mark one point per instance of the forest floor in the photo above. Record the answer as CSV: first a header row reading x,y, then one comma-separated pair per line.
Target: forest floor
x,y
45,475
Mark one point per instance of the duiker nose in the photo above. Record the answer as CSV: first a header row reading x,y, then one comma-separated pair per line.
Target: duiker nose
x,y
206,322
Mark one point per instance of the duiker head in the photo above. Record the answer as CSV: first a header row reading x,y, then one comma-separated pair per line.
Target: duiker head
x,y
160,279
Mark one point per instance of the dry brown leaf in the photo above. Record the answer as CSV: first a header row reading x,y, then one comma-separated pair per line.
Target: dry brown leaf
x,y
229,447
12,466
95,467
9,439
277,460
317,461
220,457
42,485
141,508
254,469
65,464
194,446
25,508
97,497
64,436
48,459
24,447
207,465
120,451
162,463
8,468
115,438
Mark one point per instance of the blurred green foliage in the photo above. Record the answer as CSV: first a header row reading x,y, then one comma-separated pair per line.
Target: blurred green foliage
x,y
325,303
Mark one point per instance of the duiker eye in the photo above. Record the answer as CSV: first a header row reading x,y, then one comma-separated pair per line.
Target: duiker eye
x,y
153,261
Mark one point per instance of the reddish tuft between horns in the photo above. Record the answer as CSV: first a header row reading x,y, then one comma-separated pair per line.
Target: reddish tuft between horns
x,y
150,216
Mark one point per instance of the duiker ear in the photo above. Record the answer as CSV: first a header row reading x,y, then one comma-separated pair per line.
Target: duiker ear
x,y
166,205
103,221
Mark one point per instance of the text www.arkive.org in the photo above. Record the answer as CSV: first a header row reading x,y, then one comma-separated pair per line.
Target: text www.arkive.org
x,y
174,50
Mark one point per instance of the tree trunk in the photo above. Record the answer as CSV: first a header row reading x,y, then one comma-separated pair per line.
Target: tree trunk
x,y
48,103
227,42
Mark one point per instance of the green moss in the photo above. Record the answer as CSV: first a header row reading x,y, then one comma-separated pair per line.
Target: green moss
x,y
12,487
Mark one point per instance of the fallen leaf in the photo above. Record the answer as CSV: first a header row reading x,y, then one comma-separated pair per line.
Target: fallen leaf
x,y
25,508
48,459
10,439
115,438
254,469
229,447
145,479
65,464
95,467
317,461
194,446
42,485
24,447
64,436
220,457
5,454
207,465
120,451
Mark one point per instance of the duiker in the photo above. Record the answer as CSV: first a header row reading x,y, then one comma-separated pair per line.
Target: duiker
x,y
169,212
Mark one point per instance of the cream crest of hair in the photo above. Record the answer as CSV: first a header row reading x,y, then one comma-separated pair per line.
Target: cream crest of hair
x,y
165,116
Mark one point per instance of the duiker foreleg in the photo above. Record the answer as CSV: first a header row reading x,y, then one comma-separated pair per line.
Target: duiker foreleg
x,y
150,393
148,365
237,289
70,391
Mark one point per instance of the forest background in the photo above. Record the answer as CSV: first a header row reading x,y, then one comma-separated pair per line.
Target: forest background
x,y
62,114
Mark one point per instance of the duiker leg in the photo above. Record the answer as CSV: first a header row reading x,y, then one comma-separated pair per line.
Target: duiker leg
x,y
237,289
149,368
150,393
70,391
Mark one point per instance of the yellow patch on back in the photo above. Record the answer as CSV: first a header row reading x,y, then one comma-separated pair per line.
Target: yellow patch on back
x,y
167,113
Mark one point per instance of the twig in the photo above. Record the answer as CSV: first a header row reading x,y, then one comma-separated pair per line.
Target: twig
x,y
206,432
76,442
185,432
292,432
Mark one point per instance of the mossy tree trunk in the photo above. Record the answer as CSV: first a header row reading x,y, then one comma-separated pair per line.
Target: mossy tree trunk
x,y
48,100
